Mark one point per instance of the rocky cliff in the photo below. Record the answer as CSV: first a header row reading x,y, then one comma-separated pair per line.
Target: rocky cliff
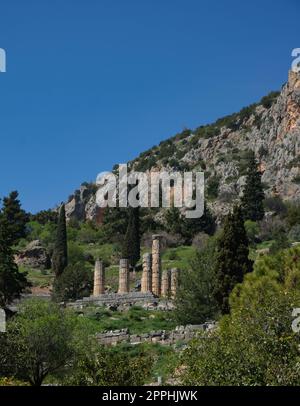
x,y
270,128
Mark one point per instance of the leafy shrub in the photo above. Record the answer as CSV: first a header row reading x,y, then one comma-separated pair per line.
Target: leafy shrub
x,y
293,214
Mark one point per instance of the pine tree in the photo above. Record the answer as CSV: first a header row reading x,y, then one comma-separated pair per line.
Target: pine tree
x,y
232,261
12,282
14,218
253,197
60,253
132,243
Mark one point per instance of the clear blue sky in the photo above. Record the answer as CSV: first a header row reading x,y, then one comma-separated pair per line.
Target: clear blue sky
x,y
91,83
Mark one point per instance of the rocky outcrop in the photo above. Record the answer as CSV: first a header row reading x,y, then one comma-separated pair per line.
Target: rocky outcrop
x,y
34,256
270,128
81,205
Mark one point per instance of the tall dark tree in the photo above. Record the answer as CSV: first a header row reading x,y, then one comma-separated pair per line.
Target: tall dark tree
x,y
12,282
132,242
232,259
253,197
14,217
60,253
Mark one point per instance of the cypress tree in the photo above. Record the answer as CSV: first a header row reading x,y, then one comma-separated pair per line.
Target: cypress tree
x,y
253,196
60,253
14,218
232,261
132,243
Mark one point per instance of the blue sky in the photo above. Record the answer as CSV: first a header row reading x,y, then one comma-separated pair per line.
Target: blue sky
x,y
91,83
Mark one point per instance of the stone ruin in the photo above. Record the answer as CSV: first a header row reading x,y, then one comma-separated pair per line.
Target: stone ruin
x,y
153,281
181,334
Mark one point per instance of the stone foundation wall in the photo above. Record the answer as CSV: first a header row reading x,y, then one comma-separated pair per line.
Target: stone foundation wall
x,y
181,333
117,299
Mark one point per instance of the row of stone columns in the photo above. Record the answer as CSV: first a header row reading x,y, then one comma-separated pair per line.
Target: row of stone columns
x,y
153,280
169,283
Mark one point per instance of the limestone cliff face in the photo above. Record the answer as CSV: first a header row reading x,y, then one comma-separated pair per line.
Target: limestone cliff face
x,y
270,128
82,204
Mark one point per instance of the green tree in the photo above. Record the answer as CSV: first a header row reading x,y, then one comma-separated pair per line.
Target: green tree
x,y
45,216
99,366
132,242
115,220
74,283
253,196
12,282
60,253
255,345
232,259
39,341
14,217
252,230
194,301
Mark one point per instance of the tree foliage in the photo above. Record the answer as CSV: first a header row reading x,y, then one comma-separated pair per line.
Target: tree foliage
x,y
253,196
132,243
255,344
12,282
194,302
38,342
74,283
60,253
232,258
14,218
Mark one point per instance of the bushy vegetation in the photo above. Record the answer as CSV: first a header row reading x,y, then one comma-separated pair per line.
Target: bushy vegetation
x,y
44,341
136,320
255,344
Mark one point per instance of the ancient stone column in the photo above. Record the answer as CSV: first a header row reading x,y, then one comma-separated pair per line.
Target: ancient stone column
x,y
146,282
156,264
165,283
124,276
99,278
174,281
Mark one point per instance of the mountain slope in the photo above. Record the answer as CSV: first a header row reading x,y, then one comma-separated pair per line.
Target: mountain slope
x,y
271,128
